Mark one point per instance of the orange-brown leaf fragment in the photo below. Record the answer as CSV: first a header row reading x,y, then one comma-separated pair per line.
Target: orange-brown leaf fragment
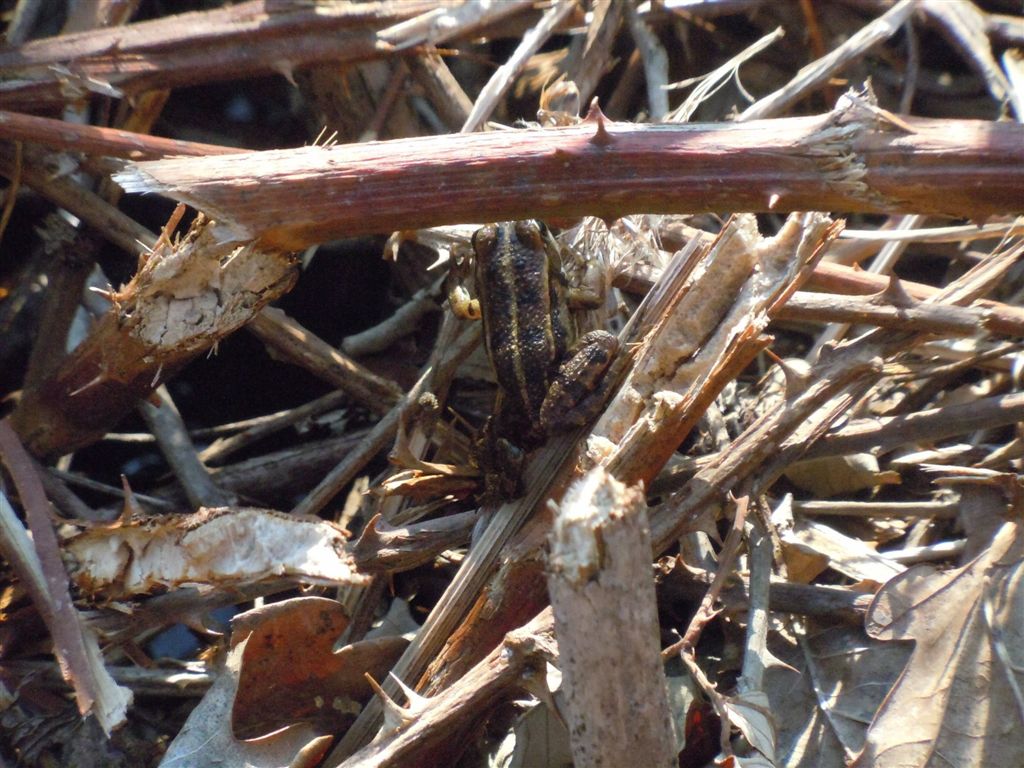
x,y
290,672
207,739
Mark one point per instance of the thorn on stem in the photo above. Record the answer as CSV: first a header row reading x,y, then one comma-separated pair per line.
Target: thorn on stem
x,y
601,137
89,384
394,715
796,372
895,294
131,506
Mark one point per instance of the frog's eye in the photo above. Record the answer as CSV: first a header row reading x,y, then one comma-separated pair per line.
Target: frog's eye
x,y
531,233
483,239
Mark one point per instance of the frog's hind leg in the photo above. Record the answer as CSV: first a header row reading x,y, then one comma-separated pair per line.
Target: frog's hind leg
x,y
579,386
501,464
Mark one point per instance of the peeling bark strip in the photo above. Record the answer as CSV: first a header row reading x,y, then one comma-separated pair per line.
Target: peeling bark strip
x,y
219,547
186,296
851,159
606,622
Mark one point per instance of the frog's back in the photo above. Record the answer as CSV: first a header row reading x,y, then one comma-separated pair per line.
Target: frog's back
x,y
513,281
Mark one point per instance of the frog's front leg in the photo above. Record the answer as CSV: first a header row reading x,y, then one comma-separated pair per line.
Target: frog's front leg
x,y
577,390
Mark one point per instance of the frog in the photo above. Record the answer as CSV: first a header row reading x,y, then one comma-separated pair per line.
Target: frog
x,y
548,379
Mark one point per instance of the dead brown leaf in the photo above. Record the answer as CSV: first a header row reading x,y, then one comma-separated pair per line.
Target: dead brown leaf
x,y
958,702
283,687
207,741
291,674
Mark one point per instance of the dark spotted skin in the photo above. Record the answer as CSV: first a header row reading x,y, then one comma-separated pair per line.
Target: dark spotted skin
x,y
575,394
529,333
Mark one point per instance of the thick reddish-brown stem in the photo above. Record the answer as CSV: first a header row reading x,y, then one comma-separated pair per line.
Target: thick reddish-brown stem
x,y
256,37
835,162
97,140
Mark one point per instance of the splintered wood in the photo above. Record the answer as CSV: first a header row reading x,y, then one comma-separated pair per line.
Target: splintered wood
x,y
188,293
606,619
706,317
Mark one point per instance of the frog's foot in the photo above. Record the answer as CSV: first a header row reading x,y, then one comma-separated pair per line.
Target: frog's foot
x,y
577,391
502,464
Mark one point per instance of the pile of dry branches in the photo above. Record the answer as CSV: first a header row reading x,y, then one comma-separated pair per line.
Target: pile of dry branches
x,y
276,548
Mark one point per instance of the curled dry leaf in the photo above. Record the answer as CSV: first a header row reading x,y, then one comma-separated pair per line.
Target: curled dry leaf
x,y
817,542
290,672
423,481
214,546
283,689
963,681
751,713
429,482
207,740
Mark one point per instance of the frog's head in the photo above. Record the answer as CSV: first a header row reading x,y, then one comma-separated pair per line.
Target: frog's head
x,y
502,236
